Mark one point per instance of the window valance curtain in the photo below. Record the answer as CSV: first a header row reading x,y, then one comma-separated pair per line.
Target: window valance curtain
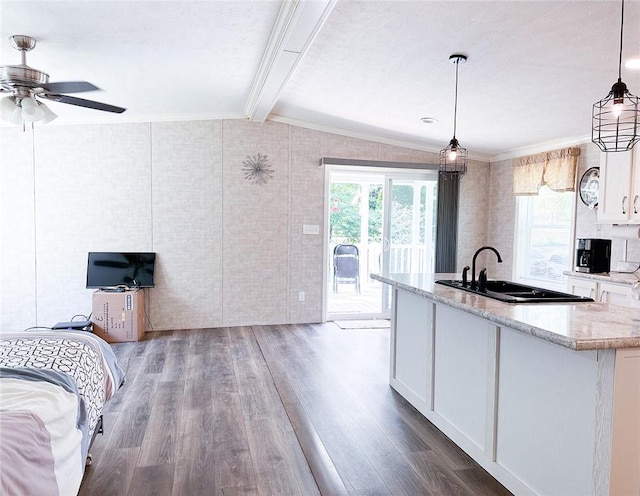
x,y
557,169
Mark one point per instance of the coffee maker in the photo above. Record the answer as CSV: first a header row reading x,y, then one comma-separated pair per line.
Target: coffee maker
x,y
593,256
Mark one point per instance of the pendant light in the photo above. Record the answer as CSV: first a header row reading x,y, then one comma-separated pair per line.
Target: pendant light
x,y
615,117
453,158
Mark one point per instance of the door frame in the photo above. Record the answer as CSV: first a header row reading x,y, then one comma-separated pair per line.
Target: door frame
x,y
388,174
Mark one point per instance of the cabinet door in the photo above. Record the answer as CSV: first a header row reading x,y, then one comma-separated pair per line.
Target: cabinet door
x,y
615,294
582,287
634,196
614,200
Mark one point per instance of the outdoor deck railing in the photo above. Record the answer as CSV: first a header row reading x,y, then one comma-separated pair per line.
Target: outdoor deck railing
x,y
402,258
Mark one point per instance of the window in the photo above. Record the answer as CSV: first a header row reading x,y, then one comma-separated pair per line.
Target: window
x,y
544,241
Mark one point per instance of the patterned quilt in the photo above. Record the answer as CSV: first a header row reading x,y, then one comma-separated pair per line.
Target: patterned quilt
x,y
53,386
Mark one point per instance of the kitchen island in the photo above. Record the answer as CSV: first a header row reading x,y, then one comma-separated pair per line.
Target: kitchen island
x,y
546,397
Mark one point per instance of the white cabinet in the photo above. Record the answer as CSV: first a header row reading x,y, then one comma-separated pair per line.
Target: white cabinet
x,y
582,287
601,291
619,197
616,294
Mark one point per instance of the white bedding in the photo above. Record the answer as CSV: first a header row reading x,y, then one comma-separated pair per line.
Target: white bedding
x,y
53,386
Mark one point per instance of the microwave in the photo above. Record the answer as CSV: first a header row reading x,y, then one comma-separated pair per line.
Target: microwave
x,y
593,255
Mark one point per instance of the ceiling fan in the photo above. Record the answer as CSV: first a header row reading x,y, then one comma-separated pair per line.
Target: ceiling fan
x,y
27,86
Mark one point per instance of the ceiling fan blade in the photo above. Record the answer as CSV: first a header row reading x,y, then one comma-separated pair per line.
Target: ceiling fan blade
x,y
81,102
70,87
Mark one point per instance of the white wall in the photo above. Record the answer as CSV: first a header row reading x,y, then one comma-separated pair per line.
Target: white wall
x,y
229,252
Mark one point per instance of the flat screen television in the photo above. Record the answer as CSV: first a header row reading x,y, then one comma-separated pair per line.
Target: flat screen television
x,y
112,269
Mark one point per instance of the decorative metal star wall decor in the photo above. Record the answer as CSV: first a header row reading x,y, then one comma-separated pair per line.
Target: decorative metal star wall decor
x,y
257,169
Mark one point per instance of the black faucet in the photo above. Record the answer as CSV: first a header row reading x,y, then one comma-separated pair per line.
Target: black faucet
x,y
473,263
465,278
482,280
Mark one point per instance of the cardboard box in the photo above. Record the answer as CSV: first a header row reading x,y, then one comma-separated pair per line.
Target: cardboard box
x,y
118,316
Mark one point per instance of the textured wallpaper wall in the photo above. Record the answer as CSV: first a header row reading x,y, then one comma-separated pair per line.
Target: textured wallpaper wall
x,y
187,209
66,193
502,211
473,212
501,221
230,252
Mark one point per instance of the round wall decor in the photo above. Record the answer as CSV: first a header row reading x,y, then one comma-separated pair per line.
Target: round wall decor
x,y
589,187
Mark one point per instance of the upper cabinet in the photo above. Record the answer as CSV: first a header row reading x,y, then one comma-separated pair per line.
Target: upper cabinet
x,y
619,197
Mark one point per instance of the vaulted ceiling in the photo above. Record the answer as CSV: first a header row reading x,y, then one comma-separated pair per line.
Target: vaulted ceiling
x,y
370,68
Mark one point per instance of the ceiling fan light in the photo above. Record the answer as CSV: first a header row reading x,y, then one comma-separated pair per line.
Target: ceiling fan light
x,y
31,112
7,106
16,116
48,116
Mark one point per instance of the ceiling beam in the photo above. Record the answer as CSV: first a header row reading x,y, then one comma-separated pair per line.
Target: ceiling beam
x,y
296,26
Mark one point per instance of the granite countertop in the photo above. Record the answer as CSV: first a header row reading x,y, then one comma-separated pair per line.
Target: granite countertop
x,y
579,326
615,277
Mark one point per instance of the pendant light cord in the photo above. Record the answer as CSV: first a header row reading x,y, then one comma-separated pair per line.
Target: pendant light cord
x,y
455,104
621,31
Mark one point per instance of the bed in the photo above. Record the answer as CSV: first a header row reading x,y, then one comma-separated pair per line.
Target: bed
x,y
53,386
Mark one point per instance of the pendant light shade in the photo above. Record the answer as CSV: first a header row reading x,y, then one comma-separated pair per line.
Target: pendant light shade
x,y
615,117
453,158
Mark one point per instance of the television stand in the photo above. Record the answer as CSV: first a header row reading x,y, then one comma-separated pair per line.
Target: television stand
x,y
118,315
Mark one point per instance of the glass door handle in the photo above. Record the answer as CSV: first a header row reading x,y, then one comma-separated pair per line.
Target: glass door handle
x,y
385,244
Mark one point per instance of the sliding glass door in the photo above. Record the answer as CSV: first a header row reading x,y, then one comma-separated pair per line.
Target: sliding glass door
x,y
410,226
379,221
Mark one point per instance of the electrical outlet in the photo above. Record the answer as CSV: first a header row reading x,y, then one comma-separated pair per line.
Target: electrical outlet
x,y
301,296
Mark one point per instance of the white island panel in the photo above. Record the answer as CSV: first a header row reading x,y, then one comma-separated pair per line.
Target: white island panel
x,y
412,364
545,397
462,366
547,414
625,458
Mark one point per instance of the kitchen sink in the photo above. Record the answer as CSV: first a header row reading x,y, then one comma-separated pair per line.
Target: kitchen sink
x,y
512,292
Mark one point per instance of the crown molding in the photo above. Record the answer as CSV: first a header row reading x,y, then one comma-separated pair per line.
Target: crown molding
x,y
377,138
539,148
123,119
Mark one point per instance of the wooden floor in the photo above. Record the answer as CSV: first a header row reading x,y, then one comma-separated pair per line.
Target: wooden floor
x,y
349,302
270,410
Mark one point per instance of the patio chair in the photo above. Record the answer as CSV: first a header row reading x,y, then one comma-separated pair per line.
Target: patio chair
x,y
346,266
